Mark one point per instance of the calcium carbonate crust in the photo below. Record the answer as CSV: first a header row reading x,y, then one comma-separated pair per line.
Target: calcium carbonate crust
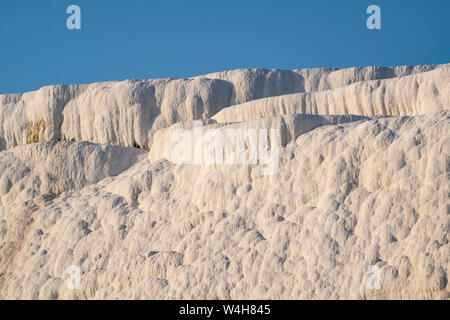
x,y
362,189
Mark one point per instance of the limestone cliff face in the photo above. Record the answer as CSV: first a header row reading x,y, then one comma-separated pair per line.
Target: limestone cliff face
x,y
361,191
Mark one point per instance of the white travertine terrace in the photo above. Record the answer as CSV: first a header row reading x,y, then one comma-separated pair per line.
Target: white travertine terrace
x,y
129,112
363,181
410,95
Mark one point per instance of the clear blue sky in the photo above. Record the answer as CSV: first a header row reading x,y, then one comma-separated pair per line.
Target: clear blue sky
x,y
167,38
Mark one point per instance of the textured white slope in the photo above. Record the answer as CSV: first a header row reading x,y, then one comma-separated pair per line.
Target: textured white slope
x,y
357,187
251,84
410,95
50,168
129,112
346,197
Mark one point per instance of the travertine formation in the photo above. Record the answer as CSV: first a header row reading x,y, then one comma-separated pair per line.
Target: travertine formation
x,y
358,208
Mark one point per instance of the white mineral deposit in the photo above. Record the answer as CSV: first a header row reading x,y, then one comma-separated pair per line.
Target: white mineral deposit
x,y
357,205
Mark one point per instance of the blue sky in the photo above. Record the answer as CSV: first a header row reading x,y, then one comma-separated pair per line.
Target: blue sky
x,y
167,38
